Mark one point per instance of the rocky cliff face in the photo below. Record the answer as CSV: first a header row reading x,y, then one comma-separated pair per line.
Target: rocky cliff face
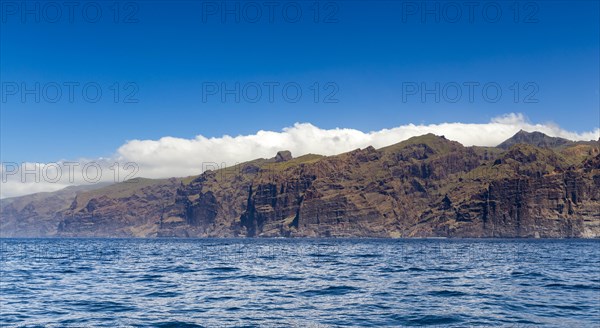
x,y
426,186
130,209
35,215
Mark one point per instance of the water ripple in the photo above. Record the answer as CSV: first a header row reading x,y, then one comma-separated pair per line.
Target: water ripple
x,y
298,283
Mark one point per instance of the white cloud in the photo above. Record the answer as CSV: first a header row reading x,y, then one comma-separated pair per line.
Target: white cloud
x,y
168,156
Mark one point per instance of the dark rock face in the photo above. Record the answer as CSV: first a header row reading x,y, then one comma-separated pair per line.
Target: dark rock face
x,y
426,186
273,209
283,156
204,211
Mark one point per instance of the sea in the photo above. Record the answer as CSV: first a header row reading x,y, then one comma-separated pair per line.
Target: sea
x,y
299,283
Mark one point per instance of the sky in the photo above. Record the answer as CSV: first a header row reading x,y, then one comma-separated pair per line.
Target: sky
x,y
158,82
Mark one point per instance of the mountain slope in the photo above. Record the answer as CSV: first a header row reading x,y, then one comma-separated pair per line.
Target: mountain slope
x,y
537,139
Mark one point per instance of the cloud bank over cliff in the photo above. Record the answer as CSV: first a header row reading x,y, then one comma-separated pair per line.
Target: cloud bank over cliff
x,y
177,157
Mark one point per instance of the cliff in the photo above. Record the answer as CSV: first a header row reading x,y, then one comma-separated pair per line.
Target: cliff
x,y
426,186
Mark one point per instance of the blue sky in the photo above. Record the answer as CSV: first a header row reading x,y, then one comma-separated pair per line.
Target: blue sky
x,y
363,57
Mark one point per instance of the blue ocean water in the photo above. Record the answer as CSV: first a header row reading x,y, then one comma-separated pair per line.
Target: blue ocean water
x,y
299,283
